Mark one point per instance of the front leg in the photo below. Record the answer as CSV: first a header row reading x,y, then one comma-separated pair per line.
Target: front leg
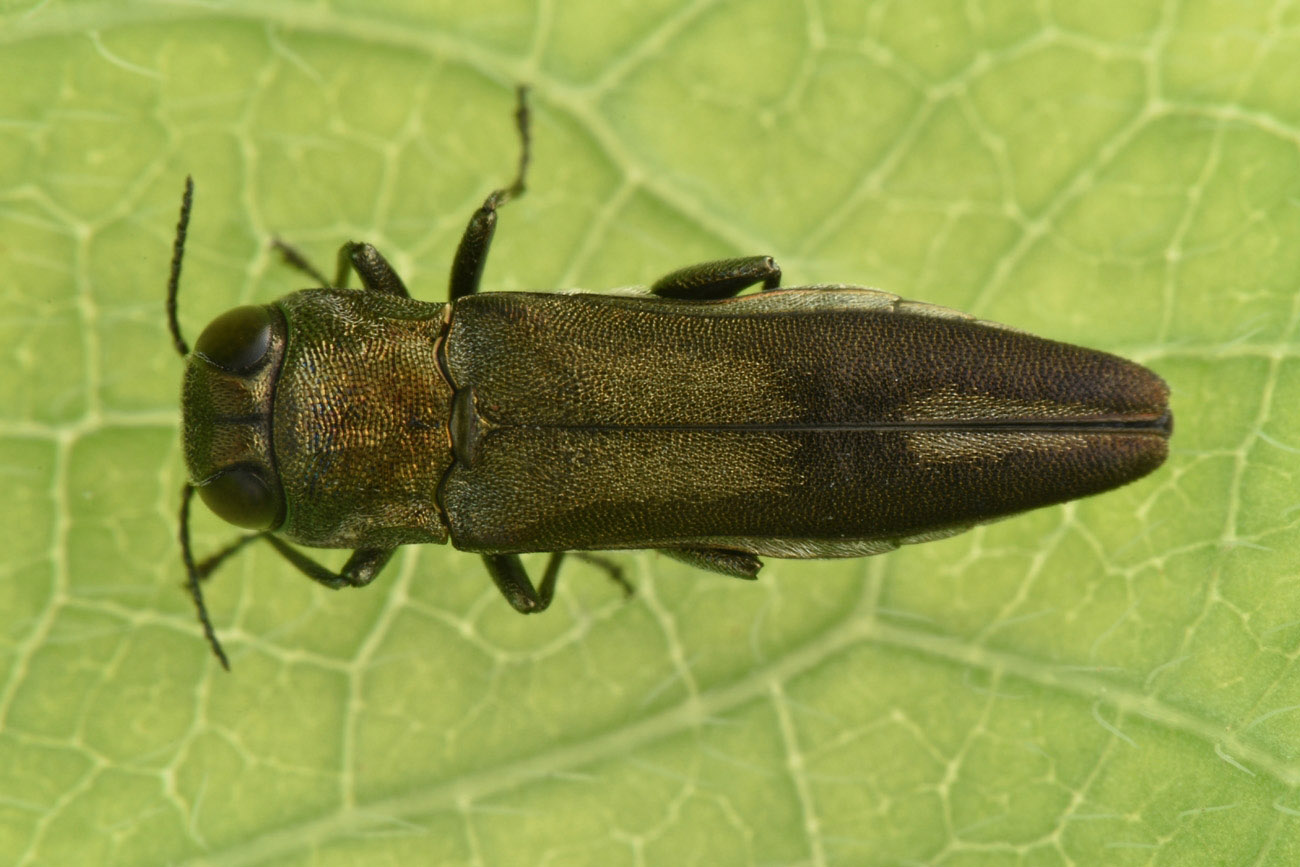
x,y
373,269
362,567
298,261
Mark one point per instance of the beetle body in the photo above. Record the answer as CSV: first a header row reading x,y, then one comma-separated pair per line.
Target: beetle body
x,y
816,421
823,421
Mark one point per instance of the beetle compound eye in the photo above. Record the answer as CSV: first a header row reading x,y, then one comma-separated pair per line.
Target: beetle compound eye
x,y
242,497
236,341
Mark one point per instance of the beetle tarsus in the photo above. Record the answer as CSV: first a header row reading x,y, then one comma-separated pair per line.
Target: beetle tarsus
x,y
295,259
523,123
210,563
609,567
471,253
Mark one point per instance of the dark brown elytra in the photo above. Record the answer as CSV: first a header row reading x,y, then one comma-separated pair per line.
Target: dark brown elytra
x,y
805,422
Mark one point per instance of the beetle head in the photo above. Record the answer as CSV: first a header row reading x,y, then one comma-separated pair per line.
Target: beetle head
x,y
226,407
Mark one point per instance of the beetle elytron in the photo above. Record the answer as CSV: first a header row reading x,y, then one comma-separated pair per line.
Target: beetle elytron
x,y
816,421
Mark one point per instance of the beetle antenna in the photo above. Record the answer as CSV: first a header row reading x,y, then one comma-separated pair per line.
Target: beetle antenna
x,y
194,575
174,279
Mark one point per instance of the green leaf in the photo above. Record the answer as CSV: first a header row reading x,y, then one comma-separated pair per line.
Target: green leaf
x,y
1108,682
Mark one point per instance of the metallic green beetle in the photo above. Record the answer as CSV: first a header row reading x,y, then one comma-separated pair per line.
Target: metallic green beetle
x,y
815,421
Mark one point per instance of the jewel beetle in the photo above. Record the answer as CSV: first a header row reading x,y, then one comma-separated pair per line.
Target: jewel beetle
x,y
805,422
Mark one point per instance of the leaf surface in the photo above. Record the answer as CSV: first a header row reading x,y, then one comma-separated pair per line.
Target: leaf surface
x,y
1112,681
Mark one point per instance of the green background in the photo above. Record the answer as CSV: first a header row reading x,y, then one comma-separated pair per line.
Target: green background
x,y
1109,682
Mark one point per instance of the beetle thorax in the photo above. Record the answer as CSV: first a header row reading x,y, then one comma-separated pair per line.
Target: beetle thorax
x,y
360,420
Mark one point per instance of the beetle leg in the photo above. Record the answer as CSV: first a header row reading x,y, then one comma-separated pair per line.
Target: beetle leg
x,y
610,568
295,259
721,279
210,563
737,564
373,269
471,254
508,573
362,567
375,272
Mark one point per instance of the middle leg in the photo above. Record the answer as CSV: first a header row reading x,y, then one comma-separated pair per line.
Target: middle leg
x,y
511,578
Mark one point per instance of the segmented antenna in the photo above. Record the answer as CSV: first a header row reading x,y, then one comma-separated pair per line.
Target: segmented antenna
x,y
194,575
196,572
174,279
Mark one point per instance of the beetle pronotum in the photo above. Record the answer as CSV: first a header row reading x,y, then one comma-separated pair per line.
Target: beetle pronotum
x,y
814,421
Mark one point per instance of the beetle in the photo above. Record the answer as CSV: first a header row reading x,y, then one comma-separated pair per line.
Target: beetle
x,y
807,422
